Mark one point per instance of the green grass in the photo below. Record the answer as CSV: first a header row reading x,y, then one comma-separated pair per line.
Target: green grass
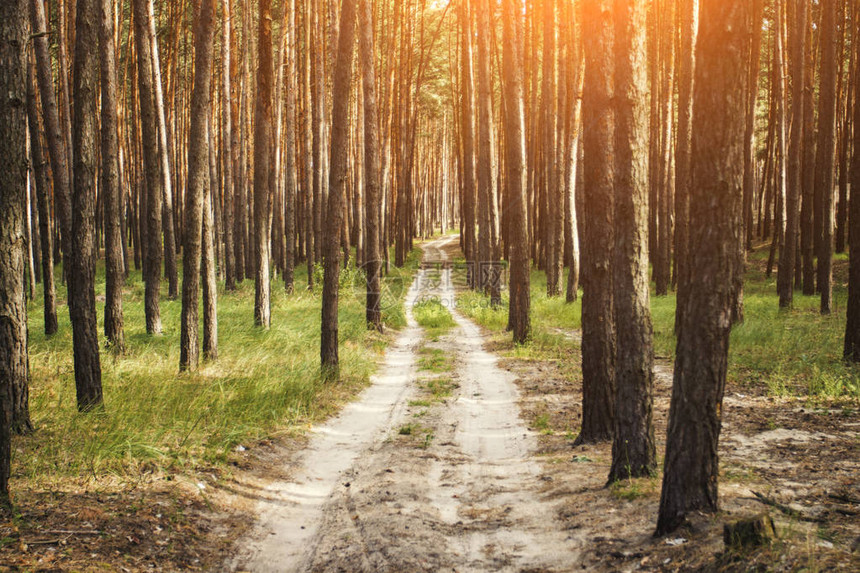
x,y
433,317
265,383
781,353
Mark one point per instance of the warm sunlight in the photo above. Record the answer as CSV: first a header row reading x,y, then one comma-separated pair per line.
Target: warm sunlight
x,y
429,285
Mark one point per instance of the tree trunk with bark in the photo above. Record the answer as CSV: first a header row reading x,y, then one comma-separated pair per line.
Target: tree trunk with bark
x,y
262,167
826,150
633,447
852,326
198,178
42,190
691,464
337,185
82,297
598,332
515,169
109,181
151,166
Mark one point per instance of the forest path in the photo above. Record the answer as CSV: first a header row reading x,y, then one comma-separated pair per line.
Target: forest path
x,y
413,480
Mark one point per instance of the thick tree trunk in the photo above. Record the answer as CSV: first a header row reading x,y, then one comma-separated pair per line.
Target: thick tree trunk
x,y
42,186
151,166
372,265
110,183
598,333
808,208
337,185
785,273
82,299
633,448
198,179
13,188
516,204
14,364
262,167
826,150
691,464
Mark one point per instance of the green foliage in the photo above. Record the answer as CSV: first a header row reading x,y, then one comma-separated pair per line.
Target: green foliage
x,y
264,383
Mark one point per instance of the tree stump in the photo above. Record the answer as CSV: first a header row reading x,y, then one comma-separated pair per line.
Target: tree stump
x,y
751,532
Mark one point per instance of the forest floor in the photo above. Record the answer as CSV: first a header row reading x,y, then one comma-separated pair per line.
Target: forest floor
x,y
460,457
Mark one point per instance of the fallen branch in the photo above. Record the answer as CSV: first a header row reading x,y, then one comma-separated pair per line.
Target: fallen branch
x,y
73,532
786,510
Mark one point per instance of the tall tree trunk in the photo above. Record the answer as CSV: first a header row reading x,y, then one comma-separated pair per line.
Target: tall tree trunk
x,y
633,448
549,119
490,274
262,167
227,147
13,186
82,299
42,185
691,464
14,362
208,267
689,20
291,186
517,207
198,179
57,148
467,132
337,183
826,150
110,183
852,325
372,265
151,166
785,276
169,228
598,333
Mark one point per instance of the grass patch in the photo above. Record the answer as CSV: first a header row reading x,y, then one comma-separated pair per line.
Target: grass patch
x,y
780,353
264,383
433,317
434,360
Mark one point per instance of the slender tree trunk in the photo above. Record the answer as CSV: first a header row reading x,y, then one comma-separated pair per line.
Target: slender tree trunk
x,y
337,184
262,167
42,186
372,266
227,147
598,333
57,148
198,179
151,166
169,228
110,183
208,267
689,19
852,325
82,299
826,150
691,464
291,186
467,131
785,276
517,207
633,449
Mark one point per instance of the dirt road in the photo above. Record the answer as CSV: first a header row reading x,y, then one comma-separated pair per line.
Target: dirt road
x,y
399,482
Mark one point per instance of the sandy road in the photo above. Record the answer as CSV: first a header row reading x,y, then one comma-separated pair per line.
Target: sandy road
x,y
466,498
